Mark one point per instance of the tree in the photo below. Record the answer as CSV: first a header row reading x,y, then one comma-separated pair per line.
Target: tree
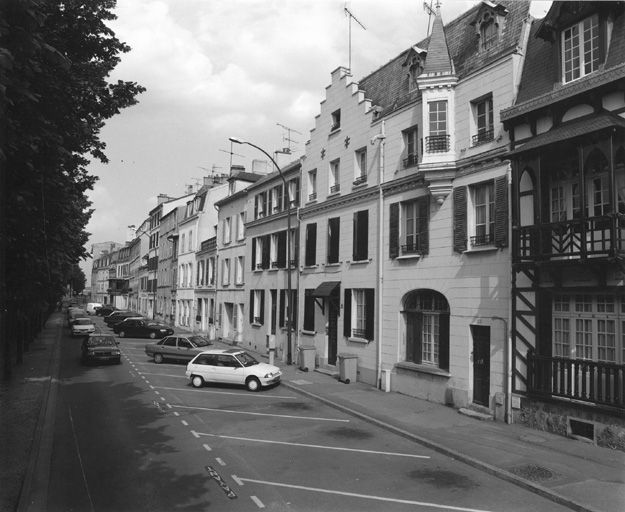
x,y
55,58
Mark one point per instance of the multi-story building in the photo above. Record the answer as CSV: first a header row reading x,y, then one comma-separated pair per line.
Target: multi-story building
x,y
404,233
123,275
167,269
99,269
568,216
205,287
272,205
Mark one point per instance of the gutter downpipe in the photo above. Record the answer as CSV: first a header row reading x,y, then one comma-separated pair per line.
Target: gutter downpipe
x,y
508,413
382,138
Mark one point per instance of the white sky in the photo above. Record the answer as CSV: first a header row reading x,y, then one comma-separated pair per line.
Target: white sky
x,y
220,68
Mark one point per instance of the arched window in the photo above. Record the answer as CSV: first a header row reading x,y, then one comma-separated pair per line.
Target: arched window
x,y
488,33
526,197
426,313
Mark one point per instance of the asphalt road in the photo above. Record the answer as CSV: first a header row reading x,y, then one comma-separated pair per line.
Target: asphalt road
x,y
138,437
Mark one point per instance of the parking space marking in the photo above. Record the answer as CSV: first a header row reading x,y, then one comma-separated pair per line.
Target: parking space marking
x,y
262,414
207,448
165,375
220,461
227,393
302,445
257,501
184,423
357,495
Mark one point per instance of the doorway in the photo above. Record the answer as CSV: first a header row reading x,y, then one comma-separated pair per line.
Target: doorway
x,y
481,364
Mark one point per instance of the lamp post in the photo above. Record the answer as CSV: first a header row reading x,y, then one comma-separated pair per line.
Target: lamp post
x,y
288,245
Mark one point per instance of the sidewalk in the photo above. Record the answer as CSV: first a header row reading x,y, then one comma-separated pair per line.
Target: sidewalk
x,y
571,473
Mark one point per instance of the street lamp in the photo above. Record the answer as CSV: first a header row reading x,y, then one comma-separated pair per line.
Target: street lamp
x,y
289,299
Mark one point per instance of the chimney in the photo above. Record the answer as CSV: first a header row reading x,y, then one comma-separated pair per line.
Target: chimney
x,y
236,169
162,198
260,167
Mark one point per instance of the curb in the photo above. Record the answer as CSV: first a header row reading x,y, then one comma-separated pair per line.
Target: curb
x,y
478,464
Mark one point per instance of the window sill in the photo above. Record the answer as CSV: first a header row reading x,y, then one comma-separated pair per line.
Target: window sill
x,y
256,325
485,248
239,284
358,340
258,270
356,186
337,264
334,131
226,242
334,194
423,368
360,262
273,269
309,333
409,257
310,266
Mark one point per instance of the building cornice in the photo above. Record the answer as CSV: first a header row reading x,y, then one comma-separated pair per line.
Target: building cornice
x,y
339,202
404,184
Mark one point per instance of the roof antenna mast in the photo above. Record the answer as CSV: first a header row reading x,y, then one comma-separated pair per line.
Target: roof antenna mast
x,y
431,11
351,16
288,138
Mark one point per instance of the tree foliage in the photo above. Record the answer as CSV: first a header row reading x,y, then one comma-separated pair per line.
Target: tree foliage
x,y
55,61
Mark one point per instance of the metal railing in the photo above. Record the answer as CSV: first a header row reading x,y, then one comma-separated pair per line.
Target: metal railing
x,y
335,188
312,196
361,179
482,240
483,136
410,161
437,143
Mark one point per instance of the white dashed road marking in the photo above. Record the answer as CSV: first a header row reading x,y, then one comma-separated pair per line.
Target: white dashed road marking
x,y
262,414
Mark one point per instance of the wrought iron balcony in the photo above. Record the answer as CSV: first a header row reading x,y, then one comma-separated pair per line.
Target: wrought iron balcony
x,y
335,188
410,161
361,179
437,143
483,136
312,196
358,333
592,382
482,240
412,248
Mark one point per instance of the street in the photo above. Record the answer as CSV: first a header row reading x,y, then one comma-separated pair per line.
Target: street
x,y
138,436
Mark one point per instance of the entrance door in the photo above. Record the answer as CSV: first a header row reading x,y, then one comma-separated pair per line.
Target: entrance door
x,y
274,310
481,364
227,321
332,333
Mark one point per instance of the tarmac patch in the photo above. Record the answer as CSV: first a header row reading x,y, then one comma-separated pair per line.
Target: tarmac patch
x,y
535,473
301,382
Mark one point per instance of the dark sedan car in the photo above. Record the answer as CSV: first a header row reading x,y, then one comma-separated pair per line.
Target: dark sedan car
x,y
105,310
141,328
180,348
100,347
119,316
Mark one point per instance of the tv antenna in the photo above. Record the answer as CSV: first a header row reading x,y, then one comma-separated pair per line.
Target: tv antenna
x,y
351,16
288,138
231,153
195,187
212,170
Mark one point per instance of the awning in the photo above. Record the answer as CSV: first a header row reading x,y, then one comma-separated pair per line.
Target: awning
x,y
570,131
326,289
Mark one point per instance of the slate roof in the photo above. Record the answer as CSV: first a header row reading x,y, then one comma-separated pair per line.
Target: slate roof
x,y
387,87
438,60
246,176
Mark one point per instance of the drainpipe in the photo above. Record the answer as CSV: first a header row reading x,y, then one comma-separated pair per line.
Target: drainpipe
x,y
382,138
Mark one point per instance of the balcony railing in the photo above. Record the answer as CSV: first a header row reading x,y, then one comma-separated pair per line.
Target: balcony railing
x,y
412,248
361,179
482,240
483,136
312,197
594,237
259,266
358,333
335,188
437,143
576,379
410,161
208,245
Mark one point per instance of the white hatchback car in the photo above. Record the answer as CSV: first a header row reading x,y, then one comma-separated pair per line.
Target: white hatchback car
x,y
231,366
82,327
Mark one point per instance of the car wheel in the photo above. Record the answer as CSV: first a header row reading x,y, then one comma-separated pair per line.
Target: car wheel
x,y
197,381
122,334
152,335
158,358
252,384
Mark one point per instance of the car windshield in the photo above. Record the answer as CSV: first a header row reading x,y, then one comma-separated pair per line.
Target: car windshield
x,y
246,359
82,321
101,342
198,341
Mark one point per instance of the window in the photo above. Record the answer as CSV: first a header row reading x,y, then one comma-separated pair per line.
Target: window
x,y
190,241
258,248
484,220
239,270
488,33
335,177
438,140
586,326
260,205
225,277
336,120
411,141
283,318
412,228
483,116
312,185
211,271
361,236
334,240
182,246
227,229
580,49
257,306
360,170
311,245
277,194
294,191
273,251
309,310
359,306
426,314
241,226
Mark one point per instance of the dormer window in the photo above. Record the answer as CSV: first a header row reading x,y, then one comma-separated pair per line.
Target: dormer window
x,y
489,24
414,64
336,120
488,34
580,49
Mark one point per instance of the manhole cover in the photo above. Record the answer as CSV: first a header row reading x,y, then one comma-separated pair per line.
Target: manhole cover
x,y
535,473
532,439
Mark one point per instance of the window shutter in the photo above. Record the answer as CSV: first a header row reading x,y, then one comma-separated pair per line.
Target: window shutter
x,y
253,254
256,207
443,342
460,219
262,307
266,251
281,315
393,231
369,313
282,249
414,333
311,244
251,306
333,240
501,211
269,203
424,214
347,317
361,235
309,310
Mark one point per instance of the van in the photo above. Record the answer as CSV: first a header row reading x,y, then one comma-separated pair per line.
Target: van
x,y
92,306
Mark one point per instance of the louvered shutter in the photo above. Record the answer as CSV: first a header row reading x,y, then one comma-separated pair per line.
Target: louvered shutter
x,y
424,219
311,244
282,249
253,254
393,231
262,307
443,341
266,251
369,313
347,317
251,307
460,219
501,212
281,315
